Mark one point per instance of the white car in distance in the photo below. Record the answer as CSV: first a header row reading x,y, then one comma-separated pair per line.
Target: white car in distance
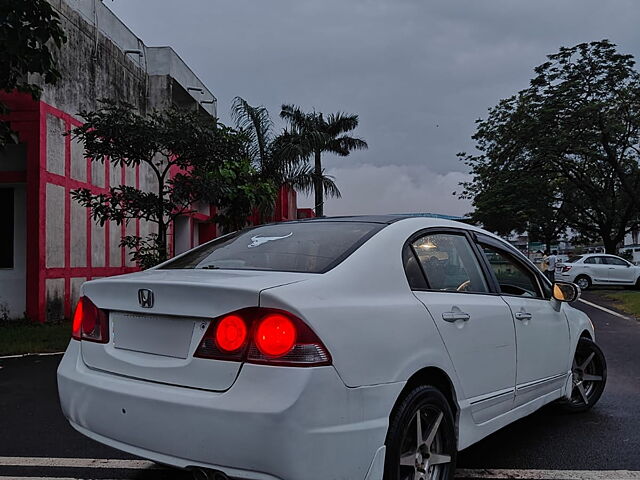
x,y
598,269
360,348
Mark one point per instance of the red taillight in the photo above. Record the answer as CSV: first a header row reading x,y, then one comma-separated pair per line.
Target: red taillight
x,y
231,333
275,335
90,323
264,336
566,268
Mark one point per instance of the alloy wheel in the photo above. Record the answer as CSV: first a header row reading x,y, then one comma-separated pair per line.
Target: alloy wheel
x,y
583,283
589,375
422,453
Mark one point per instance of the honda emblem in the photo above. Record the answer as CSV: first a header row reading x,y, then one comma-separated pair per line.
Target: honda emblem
x,y
145,298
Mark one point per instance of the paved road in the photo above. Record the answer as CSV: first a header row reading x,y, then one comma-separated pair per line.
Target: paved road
x,y
607,438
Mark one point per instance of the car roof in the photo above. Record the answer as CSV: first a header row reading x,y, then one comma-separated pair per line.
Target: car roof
x,y
384,219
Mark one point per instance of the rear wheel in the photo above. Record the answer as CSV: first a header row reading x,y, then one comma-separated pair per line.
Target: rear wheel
x,y
589,372
421,441
583,282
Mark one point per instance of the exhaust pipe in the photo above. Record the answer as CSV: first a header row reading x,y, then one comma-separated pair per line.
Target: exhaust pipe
x,y
206,474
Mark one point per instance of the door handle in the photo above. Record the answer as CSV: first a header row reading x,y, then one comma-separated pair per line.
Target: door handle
x,y
522,316
454,316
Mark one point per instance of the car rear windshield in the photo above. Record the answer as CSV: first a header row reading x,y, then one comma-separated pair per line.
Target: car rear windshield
x,y
574,259
311,247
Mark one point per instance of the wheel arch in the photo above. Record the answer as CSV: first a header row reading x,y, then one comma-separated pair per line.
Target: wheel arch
x,y
585,275
434,377
586,334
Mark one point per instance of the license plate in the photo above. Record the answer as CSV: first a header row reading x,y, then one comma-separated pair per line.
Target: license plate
x,y
158,335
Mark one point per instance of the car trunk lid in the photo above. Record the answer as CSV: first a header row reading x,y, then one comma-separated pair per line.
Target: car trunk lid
x,y
156,343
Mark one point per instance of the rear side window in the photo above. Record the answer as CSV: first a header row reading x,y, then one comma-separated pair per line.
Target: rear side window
x,y
449,263
595,261
309,247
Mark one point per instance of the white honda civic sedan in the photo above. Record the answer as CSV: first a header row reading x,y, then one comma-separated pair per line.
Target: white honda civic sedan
x,y
355,348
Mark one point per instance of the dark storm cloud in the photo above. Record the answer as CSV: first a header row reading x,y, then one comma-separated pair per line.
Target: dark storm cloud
x,y
419,73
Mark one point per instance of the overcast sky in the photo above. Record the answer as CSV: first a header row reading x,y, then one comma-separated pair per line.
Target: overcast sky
x,y
417,72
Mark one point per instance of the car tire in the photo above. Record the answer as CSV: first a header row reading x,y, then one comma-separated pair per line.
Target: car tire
x,y
637,285
424,409
589,372
583,281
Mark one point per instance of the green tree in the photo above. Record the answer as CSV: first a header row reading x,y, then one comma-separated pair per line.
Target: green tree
x,y
191,157
276,157
28,30
310,135
574,132
512,190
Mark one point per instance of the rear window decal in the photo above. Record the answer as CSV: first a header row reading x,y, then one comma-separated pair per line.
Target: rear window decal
x,y
258,240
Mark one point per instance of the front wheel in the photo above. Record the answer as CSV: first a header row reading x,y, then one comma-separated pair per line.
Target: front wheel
x,y
589,372
421,441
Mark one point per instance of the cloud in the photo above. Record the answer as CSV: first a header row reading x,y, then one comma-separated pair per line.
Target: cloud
x,y
418,73
373,189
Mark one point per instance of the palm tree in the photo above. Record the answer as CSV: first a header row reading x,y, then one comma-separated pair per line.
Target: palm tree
x,y
272,156
281,159
310,134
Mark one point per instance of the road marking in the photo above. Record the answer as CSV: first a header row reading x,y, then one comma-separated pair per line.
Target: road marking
x,y
78,463
31,355
606,310
479,474
548,474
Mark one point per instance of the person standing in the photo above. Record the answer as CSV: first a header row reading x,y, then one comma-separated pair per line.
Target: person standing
x,y
543,264
551,265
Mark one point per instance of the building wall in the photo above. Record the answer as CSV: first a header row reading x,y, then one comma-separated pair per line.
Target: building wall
x,y
76,248
13,280
62,246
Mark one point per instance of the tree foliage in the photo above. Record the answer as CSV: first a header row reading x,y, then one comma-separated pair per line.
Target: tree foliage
x,y
28,31
310,134
282,159
190,157
565,151
267,152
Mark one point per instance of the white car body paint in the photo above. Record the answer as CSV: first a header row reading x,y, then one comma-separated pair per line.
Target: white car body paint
x,y
192,412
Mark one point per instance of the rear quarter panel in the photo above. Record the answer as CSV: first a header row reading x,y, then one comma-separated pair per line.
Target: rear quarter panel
x,y
364,311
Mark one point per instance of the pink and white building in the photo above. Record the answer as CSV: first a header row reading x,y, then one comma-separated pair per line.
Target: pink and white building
x,y
49,245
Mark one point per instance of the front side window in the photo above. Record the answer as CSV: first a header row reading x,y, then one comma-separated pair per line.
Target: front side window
x,y
513,278
6,232
309,247
616,261
449,263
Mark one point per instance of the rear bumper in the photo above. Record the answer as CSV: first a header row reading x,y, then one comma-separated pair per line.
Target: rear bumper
x,y
565,277
274,423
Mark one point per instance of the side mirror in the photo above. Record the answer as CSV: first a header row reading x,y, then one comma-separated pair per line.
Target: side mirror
x,y
566,292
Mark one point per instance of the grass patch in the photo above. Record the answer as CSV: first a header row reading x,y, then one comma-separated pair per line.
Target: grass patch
x,y
18,337
626,301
